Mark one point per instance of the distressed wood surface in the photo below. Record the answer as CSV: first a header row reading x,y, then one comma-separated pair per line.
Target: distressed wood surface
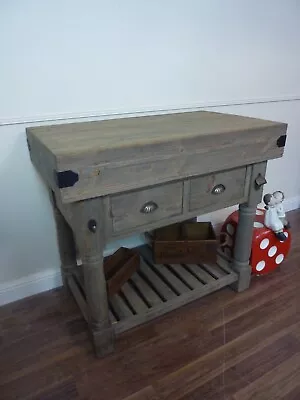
x,y
164,221
124,132
158,289
125,209
243,240
234,182
223,346
65,241
90,245
124,154
80,300
163,152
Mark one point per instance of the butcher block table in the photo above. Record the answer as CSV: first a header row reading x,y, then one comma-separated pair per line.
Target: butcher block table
x,y
114,178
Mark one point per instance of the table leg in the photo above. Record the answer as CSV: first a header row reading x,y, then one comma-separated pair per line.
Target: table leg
x,y
243,240
66,243
89,232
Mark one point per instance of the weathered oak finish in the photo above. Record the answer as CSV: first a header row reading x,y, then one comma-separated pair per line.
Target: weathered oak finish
x,y
202,188
127,209
162,291
90,244
119,177
65,241
242,248
118,155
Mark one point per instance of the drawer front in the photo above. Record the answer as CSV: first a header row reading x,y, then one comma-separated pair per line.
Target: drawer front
x,y
218,190
144,207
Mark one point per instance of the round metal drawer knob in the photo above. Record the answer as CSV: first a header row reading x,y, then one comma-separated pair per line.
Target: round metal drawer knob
x,y
149,207
218,189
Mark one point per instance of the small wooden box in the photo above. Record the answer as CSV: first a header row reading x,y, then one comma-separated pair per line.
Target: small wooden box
x,y
119,267
188,243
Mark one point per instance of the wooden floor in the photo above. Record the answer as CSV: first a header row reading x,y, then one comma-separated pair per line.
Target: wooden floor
x,y
223,346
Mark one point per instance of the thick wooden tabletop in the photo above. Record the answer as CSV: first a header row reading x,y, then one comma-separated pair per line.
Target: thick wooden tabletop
x,y
120,133
90,159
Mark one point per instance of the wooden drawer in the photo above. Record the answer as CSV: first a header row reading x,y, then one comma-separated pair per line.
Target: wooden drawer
x,y
142,207
218,190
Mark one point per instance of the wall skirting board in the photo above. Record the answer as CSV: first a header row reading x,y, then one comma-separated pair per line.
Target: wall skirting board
x,y
50,279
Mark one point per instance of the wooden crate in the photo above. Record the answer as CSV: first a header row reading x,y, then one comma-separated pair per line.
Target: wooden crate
x,y
119,267
188,242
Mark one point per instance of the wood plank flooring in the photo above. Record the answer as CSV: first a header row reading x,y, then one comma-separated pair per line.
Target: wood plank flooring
x,y
224,346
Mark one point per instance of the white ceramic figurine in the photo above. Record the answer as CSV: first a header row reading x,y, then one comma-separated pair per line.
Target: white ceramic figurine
x,y
272,219
279,197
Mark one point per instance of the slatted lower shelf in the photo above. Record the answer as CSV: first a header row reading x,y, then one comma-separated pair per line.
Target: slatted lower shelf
x,y
157,289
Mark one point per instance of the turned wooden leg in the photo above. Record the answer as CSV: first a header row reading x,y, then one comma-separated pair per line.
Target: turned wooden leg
x,y
66,243
89,231
243,241
242,248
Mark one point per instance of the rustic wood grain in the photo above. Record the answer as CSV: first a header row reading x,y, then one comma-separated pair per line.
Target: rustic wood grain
x,y
123,132
243,240
164,221
65,241
120,155
126,209
234,182
90,245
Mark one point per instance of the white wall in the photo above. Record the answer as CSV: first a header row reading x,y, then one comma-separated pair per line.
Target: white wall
x,y
71,59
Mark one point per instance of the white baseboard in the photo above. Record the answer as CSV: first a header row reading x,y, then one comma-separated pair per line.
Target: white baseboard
x,y
292,203
29,285
50,279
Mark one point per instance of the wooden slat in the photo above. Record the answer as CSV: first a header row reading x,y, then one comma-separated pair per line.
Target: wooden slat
x,y
224,262
120,307
149,294
133,298
201,274
163,290
178,301
172,279
177,284
185,276
214,269
112,318
78,296
79,277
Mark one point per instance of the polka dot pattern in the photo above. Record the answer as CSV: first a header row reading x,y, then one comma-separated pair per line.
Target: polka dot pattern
x,y
258,224
264,243
264,257
272,251
230,229
260,265
279,259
